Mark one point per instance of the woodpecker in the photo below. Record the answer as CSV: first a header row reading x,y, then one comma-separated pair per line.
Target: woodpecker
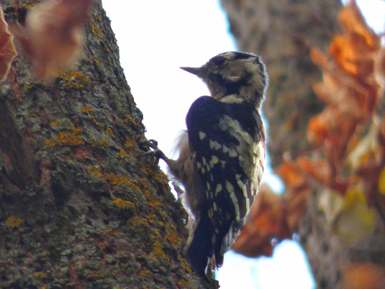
x,y
222,154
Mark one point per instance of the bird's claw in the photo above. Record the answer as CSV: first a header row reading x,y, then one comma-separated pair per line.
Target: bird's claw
x,y
152,144
148,143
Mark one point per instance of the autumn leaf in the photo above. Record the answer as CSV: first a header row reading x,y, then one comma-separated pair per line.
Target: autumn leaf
x,y
291,174
353,22
353,50
317,169
379,66
381,182
54,35
296,200
332,130
331,204
356,221
297,192
366,147
363,275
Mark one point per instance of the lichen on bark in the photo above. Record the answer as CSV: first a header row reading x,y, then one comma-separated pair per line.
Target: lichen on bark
x,y
79,206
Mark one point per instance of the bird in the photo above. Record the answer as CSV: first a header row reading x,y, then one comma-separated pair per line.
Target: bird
x,y
221,154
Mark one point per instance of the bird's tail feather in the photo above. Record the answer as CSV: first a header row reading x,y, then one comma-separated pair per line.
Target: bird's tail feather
x,y
200,247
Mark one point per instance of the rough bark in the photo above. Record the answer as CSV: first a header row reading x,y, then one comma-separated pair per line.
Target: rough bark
x,y
283,32
79,206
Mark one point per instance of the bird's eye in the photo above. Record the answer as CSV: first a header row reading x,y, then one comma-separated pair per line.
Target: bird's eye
x,y
219,61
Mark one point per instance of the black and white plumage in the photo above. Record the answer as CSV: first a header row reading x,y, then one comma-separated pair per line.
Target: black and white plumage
x,y
222,154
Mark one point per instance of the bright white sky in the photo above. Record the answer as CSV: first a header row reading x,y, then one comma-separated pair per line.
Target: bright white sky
x,y
155,39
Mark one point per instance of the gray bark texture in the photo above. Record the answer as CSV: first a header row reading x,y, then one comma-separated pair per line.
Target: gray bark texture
x,y
79,206
283,32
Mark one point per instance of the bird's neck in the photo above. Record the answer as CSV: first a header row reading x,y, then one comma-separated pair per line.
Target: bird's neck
x,y
231,98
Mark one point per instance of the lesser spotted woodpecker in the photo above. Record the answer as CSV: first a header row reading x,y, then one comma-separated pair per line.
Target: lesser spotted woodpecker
x,y
222,154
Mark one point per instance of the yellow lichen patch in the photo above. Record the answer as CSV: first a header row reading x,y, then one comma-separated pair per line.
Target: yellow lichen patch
x,y
153,219
154,203
95,29
183,262
96,171
76,130
54,123
40,275
109,132
69,139
29,6
172,235
74,79
130,142
145,273
131,121
129,118
99,143
27,86
122,204
157,249
151,200
109,230
105,47
136,221
117,180
90,274
97,17
123,153
49,143
157,176
174,238
143,183
13,222
87,110
183,283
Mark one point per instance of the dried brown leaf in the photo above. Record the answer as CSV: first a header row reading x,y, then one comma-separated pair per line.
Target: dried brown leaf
x,y
364,275
379,66
319,58
316,169
54,35
296,200
291,174
332,130
354,23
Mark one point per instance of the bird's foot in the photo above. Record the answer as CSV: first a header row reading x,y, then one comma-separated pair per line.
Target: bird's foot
x,y
152,146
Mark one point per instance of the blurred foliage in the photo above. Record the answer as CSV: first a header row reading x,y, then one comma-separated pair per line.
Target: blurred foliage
x,y
347,162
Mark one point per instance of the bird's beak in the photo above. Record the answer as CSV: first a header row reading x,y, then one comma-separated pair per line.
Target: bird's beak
x,y
198,71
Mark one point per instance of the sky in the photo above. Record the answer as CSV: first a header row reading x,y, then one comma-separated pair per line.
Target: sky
x,y
155,39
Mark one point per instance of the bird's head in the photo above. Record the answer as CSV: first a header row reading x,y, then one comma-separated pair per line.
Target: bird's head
x,y
234,77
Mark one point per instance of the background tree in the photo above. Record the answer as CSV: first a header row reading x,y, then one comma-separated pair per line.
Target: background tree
x,y
339,172
79,206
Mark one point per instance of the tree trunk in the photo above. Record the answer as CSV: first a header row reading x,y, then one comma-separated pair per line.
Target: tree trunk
x,y
283,32
79,206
